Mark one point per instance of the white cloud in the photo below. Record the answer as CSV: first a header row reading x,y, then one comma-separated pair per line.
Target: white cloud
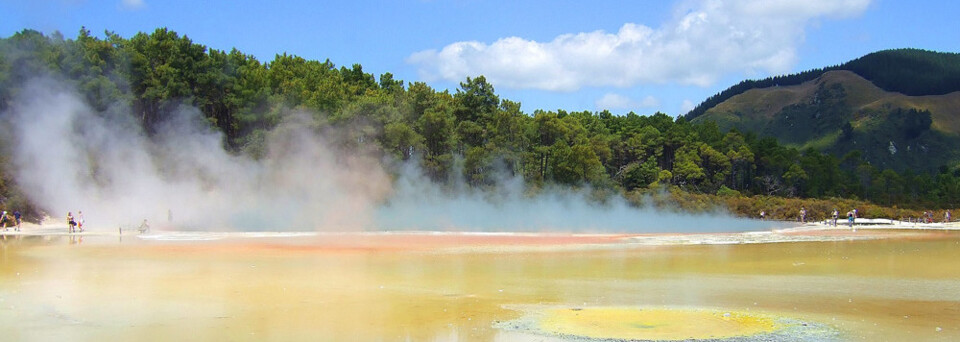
x,y
686,106
649,101
701,43
132,4
611,101
614,101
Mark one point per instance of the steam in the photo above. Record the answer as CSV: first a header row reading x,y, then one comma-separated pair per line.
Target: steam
x,y
419,205
68,157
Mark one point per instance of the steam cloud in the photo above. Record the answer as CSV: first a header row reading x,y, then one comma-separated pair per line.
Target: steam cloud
x,y
67,157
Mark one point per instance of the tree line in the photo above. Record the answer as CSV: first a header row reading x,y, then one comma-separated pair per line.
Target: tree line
x,y
470,133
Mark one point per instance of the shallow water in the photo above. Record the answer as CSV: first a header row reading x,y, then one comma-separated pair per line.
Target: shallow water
x,y
377,288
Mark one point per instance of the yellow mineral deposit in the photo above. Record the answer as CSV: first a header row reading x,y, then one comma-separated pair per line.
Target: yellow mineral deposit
x,y
660,324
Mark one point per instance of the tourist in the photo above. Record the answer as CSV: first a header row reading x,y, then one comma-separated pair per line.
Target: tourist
x,y
144,227
70,222
946,217
17,217
8,220
803,215
763,215
836,214
4,220
850,218
80,220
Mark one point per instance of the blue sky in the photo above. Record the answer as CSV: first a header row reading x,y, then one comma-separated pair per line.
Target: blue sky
x,y
641,56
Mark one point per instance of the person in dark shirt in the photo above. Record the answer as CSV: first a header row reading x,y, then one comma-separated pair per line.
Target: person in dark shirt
x,y
17,217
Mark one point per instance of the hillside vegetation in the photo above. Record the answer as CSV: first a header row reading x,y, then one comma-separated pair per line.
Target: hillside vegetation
x,y
912,72
473,136
840,112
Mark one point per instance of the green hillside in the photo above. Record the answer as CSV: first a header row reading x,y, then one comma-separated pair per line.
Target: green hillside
x,y
901,115
908,71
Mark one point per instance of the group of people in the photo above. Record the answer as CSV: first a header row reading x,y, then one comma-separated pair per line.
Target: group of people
x,y
927,217
835,216
75,224
851,216
11,221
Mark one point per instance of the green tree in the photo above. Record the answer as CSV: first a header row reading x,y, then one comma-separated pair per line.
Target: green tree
x,y
436,128
640,175
716,166
550,131
390,85
507,135
164,69
795,178
686,169
357,82
401,140
646,143
315,85
476,100
742,163
575,164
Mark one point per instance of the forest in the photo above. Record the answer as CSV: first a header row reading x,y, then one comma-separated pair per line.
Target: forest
x,y
470,134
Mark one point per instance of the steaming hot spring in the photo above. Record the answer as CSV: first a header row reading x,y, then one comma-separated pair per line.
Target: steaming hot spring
x,y
310,243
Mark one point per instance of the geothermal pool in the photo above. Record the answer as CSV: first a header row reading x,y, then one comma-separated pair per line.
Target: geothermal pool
x,y
802,286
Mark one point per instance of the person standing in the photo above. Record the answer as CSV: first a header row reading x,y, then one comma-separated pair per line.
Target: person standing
x,y
946,217
70,222
836,215
763,215
17,217
80,220
803,215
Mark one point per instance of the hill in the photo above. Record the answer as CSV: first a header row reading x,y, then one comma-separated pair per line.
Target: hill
x,y
909,71
915,126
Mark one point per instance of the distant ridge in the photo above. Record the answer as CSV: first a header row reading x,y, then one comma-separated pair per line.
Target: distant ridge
x,y
841,112
914,72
